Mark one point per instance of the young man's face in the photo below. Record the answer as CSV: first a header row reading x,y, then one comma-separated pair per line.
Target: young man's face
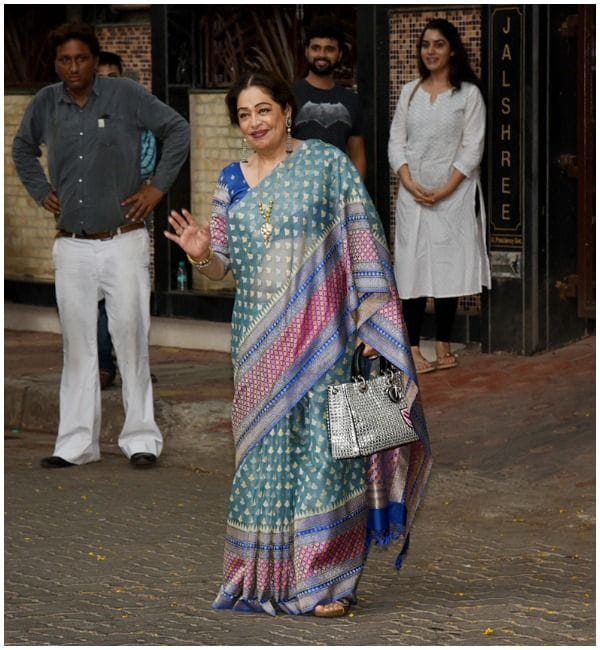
x,y
108,70
75,65
323,55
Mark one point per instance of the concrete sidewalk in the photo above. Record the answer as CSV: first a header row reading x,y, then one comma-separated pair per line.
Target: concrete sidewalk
x,y
502,551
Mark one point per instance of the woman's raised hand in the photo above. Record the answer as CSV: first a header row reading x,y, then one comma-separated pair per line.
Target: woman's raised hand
x,y
192,237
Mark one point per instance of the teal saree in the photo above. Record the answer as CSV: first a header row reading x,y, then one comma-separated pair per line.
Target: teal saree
x,y
300,522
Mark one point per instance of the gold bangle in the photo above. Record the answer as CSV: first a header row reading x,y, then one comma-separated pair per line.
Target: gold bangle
x,y
200,264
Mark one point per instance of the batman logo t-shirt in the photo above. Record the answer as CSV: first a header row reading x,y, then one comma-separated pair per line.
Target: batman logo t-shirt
x,y
329,115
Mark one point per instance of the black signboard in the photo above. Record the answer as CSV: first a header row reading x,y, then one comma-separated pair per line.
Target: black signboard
x,y
506,112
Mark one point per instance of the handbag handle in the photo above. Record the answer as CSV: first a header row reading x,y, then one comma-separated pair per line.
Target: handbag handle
x,y
358,364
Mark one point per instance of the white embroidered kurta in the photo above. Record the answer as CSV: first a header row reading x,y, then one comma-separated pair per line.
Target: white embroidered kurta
x,y
439,251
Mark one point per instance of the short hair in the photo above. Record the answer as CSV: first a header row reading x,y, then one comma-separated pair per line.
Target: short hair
x,y
77,31
326,29
278,89
110,58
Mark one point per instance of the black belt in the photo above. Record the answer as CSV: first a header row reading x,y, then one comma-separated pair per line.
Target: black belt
x,y
109,234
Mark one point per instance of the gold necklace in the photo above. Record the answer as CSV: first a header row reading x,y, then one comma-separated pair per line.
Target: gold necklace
x,y
265,210
266,228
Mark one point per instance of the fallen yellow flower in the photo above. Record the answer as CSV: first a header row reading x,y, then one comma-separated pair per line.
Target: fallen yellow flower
x,y
98,557
489,631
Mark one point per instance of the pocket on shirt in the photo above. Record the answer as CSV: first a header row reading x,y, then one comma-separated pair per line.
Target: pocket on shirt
x,y
111,133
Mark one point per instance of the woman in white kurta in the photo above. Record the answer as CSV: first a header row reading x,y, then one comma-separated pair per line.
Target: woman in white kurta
x,y
435,146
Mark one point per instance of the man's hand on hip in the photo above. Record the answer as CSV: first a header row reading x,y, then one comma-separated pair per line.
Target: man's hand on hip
x,y
143,201
51,203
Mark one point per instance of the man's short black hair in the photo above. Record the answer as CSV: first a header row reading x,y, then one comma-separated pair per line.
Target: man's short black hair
x,y
110,58
326,29
74,31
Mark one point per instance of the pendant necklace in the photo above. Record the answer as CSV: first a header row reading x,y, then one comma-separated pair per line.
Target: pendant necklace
x,y
265,210
266,229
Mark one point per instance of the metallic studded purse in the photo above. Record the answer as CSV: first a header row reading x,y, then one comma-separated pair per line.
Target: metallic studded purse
x,y
368,415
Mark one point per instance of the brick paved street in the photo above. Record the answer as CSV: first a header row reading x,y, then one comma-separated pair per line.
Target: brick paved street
x,y
502,551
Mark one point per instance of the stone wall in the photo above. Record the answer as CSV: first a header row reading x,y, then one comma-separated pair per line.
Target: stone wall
x,y
28,228
215,143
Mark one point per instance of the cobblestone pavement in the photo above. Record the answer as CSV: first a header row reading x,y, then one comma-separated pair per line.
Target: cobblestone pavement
x,y
502,552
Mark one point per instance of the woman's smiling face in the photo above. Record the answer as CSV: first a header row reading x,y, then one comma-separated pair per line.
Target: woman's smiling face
x,y
261,119
435,50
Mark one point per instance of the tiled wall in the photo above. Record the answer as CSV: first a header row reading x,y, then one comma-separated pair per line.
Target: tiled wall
x,y
405,29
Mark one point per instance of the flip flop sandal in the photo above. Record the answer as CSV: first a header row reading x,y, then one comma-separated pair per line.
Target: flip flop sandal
x,y
448,360
423,367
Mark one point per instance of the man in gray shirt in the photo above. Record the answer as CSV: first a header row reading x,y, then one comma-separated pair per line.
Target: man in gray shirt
x,y
91,127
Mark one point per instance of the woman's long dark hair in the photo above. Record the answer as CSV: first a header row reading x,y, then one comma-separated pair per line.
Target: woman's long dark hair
x,y
460,68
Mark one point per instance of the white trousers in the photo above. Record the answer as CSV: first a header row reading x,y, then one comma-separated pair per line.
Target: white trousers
x,y
87,270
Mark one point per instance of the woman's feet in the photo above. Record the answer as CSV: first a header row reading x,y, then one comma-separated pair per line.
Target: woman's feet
x,y
422,366
332,610
444,358
447,360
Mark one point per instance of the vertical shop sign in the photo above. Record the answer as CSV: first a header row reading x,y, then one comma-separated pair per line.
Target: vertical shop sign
x,y
506,109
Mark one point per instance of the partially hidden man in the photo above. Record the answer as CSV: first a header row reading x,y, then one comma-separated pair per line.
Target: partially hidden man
x,y
327,111
91,126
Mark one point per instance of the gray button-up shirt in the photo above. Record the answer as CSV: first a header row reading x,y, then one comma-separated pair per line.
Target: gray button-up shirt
x,y
94,150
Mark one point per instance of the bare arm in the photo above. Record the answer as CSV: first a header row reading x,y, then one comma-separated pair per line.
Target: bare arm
x,y
358,153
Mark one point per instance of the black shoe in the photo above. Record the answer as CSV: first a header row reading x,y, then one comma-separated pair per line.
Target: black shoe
x,y
107,379
55,461
143,459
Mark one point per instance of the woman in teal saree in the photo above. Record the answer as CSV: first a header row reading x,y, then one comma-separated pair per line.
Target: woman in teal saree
x,y
313,278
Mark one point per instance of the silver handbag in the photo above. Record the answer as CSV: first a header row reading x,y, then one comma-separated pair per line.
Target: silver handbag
x,y
368,415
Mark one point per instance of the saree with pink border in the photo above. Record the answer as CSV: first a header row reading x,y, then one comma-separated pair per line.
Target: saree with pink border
x,y
300,522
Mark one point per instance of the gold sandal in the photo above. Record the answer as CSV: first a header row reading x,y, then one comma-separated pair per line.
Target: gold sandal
x,y
446,361
423,367
332,610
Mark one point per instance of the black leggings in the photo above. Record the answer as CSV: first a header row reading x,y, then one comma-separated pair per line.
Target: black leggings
x,y
445,311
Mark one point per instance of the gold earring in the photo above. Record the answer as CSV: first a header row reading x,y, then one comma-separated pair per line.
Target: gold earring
x,y
288,127
244,156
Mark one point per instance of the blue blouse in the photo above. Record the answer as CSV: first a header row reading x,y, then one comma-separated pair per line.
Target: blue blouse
x,y
233,179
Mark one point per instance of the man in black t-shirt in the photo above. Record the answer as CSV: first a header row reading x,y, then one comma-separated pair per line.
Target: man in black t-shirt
x,y
326,111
